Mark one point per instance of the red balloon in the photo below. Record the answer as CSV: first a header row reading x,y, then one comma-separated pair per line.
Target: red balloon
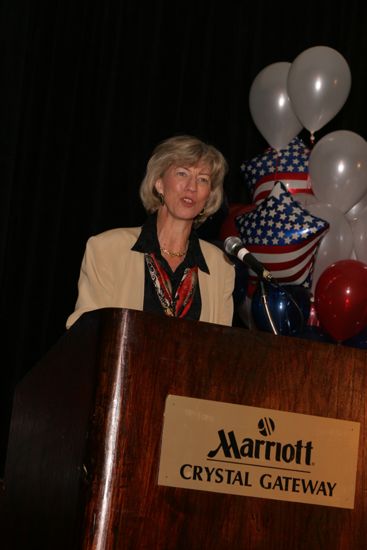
x,y
229,227
313,320
341,299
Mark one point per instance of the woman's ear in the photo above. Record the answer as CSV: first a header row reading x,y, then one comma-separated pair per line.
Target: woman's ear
x,y
158,186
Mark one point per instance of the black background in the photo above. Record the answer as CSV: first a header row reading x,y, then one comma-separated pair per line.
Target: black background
x,y
88,88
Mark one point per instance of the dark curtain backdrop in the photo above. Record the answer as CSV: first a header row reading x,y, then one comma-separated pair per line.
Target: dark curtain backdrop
x,y
88,88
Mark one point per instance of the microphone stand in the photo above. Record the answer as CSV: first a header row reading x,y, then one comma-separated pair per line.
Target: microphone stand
x,y
264,299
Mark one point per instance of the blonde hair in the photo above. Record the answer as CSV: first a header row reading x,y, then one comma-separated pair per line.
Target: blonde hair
x,y
186,150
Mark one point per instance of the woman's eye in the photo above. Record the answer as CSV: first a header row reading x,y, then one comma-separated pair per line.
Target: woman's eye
x,y
204,179
181,173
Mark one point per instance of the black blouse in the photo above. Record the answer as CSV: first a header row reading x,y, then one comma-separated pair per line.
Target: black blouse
x,y
148,242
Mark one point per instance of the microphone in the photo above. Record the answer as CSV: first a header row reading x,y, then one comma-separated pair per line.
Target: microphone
x,y
234,246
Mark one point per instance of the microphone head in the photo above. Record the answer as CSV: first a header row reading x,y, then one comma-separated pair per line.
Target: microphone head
x,y
231,243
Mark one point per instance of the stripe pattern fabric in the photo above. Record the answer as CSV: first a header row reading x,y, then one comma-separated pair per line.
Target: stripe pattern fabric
x,y
283,236
290,165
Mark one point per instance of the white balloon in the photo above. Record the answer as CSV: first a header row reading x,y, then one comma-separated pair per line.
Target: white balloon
x,y
319,82
338,169
359,229
305,199
336,244
271,108
356,210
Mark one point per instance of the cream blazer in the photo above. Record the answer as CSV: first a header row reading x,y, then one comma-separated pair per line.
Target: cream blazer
x,y
112,275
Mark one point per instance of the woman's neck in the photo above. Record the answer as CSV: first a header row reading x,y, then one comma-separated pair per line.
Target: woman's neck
x,y
173,235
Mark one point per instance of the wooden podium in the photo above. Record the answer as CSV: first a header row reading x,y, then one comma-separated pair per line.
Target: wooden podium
x,y
85,437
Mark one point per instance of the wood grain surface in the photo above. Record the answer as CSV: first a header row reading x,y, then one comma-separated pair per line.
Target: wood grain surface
x,y
85,437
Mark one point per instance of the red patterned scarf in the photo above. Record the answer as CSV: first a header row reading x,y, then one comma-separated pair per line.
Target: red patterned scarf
x,y
179,304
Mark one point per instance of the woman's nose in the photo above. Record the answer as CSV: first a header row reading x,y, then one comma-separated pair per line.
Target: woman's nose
x,y
191,183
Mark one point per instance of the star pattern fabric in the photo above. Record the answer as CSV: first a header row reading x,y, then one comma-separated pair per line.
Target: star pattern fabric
x,y
290,165
283,236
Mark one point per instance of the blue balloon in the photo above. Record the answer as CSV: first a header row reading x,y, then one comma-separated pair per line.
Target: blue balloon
x,y
289,307
358,341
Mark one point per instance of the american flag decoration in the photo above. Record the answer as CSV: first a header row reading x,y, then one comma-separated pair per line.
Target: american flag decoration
x,y
290,165
283,236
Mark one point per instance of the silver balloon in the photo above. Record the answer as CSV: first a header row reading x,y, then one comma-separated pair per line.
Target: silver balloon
x,y
271,108
319,82
338,169
359,229
336,244
356,210
305,199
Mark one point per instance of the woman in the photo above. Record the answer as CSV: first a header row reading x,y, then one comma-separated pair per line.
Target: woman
x,y
163,267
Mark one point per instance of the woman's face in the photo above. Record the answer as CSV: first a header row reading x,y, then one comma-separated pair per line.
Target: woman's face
x,y
185,189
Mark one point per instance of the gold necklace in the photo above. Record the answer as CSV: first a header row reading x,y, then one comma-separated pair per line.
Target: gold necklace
x,y
176,254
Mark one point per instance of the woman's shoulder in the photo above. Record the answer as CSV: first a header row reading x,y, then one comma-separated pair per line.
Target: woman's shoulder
x,y
113,241
124,234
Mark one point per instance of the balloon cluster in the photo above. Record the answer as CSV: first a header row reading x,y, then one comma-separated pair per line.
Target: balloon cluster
x,y
327,182
283,236
291,167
